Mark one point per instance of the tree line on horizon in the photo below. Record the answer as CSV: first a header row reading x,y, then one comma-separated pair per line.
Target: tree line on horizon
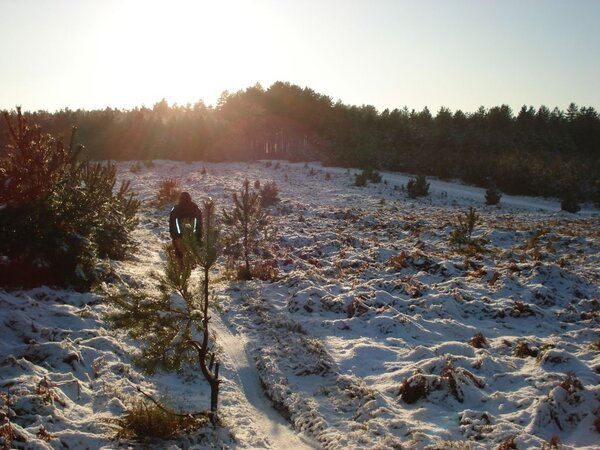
x,y
532,152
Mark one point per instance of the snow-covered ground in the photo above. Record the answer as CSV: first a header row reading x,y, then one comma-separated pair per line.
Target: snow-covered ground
x,y
362,341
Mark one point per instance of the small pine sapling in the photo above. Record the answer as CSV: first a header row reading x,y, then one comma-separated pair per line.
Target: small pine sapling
x,y
467,224
462,236
374,176
417,187
168,191
59,214
570,201
360,180
367,175
164,320
269,194
246,228
168,322
492,195
205,254
572,194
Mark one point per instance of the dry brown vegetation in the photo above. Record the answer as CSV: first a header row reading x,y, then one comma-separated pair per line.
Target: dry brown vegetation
x,y
168,192
145,420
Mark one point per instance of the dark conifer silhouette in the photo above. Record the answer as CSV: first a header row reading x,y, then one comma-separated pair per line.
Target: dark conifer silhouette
x,y
524,152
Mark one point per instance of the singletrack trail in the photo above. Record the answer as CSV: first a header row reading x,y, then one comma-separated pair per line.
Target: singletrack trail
x,y
267,419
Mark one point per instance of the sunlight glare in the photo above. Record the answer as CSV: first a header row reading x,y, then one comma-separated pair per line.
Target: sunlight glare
x,y
180,50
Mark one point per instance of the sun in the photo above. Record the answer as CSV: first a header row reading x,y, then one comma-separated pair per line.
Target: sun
x,y
182,51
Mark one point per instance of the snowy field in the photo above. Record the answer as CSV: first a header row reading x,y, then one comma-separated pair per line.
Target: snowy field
x,y
364,340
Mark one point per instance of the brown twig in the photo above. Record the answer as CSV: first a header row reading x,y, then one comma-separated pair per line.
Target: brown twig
x,y
167,410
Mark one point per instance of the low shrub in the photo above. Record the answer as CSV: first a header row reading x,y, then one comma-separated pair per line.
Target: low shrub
x,y
413,389
571,384
168,192
269,194
243,273
7,434
417,187
44,434
570,202
454,377
522,350
398,262
144,420
552,444
367,175
520,309
374,176
361,180
266,270
492,195
572,191
478,341
508,444
462,235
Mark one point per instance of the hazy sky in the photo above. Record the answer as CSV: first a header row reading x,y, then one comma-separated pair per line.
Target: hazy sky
x,y
387,53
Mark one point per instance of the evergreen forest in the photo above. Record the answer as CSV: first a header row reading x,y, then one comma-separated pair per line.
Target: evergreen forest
x,y
542,152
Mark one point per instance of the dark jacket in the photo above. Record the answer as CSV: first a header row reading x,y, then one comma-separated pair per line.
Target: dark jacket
x,y
188,212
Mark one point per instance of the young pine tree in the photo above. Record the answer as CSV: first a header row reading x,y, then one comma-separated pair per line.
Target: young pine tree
x,y
269,194
572,188
417,187
570,198
176,319
570,203
492,195
246,227
462,236
58,214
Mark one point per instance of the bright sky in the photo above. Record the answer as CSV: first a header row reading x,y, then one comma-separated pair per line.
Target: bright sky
x,y
387,53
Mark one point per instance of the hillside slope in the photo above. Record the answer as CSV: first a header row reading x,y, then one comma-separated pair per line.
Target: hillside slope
x,y
365,337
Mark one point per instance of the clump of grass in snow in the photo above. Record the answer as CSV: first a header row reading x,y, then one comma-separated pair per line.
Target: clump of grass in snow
x,y
143,420
414,388
478,341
